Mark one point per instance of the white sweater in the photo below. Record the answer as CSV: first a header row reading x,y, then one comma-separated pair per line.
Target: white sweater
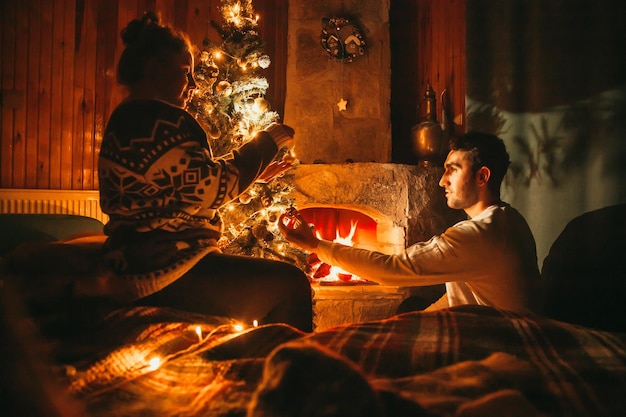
x,y
490,259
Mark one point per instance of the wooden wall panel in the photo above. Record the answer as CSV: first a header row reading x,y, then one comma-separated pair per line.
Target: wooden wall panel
x,y
440,57
10,97
59,62
56,88
428,46
59,85
44,96
20,77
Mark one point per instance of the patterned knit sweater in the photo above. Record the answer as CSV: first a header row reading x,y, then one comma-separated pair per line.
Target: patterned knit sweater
x,y
161,188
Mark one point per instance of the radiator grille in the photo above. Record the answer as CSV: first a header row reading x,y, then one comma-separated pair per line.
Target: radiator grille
x,y
28,201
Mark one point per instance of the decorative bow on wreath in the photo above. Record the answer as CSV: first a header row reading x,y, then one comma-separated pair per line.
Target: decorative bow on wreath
x,y
342,39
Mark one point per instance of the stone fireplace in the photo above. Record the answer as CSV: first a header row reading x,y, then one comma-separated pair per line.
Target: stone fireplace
x,y
403,202
341,113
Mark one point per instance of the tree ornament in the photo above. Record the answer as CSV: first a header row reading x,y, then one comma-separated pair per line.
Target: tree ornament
x,y
245,197
214,132
341,38
245,239
209,108
223,87
264,61
260,231
261,104
267,200
206,71
289,158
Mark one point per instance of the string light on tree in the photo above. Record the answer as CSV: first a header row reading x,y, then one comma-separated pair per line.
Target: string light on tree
x,y
231,106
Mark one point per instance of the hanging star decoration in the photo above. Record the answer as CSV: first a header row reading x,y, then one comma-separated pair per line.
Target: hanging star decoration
x,y
342,105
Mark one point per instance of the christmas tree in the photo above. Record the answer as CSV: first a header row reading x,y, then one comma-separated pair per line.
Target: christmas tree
x,y
230,104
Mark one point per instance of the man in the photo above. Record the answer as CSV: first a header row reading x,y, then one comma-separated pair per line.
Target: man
x,y
488,259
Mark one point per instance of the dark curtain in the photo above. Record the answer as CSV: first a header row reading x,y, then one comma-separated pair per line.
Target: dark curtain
x,y
531,55
549,77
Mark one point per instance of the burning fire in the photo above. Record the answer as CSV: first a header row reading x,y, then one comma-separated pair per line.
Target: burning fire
x,y
323,272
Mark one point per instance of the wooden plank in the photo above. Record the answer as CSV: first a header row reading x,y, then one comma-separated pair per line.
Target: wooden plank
x,y
67,109
197,21
461,62
56,93
45,88
179,14
107,39
126,12
272,21
8,84
105,55
78,114
21,79
89,155
32,96
164,9
146,6
78,121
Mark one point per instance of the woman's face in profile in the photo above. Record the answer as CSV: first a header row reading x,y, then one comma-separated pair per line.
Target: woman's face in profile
x,y
173,81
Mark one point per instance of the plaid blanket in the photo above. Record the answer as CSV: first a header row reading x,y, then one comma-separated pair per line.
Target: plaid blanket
x,y
464,361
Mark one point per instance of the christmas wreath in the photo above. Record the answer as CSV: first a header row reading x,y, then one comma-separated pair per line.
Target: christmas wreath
x,y
342,39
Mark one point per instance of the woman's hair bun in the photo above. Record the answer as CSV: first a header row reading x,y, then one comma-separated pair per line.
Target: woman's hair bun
x,y
145,39
134,30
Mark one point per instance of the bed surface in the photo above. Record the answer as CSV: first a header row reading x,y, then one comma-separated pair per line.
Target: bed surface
x,y
465,361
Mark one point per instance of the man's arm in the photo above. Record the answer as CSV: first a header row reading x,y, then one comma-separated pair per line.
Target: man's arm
x,y
427,263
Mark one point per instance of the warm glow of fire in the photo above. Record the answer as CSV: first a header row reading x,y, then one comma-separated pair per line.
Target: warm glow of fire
x,y
341,225
337,273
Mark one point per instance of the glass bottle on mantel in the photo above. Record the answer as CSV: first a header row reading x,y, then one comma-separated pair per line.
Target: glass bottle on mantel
x,y
430,138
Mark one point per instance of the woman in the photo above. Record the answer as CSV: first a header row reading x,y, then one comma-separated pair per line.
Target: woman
x,y
161,187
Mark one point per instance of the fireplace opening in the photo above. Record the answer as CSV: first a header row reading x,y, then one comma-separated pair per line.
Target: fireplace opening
x,y
347,226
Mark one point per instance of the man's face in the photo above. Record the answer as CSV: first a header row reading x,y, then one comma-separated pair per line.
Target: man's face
x,y
175,82
458,181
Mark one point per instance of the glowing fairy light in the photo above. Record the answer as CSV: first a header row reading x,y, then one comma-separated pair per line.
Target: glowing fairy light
x,y
238,327
255,323
199,333
239,14
154,363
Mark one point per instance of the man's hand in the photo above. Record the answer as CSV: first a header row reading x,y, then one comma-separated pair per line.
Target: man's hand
x,y
296,230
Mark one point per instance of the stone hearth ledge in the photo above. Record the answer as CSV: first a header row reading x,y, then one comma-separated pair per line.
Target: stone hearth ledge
x,y
335,305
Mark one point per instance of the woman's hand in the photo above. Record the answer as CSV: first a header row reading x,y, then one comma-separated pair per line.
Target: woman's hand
x,y
273,170
296,230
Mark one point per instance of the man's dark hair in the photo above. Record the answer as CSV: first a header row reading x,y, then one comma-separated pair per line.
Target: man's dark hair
x,y
485,150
